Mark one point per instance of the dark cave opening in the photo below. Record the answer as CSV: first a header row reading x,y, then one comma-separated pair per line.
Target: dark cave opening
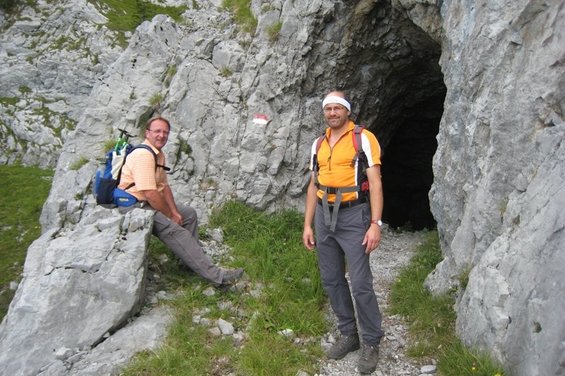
x,y
407,174
397,80
408,141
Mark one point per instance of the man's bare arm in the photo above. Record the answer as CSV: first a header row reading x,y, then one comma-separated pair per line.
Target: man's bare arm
x,y
157,201
308,234
373,235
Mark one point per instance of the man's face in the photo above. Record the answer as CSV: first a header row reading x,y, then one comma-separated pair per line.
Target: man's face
x,y
158,133
336,115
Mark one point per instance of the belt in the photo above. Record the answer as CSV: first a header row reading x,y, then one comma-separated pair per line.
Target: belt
x,y
346,204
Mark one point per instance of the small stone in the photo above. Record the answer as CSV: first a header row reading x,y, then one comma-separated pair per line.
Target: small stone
x,y
428,370
225,327
288,333
238,338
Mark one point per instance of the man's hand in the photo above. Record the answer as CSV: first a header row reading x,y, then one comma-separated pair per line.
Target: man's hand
x,y
308,238
164,203
372,238
177,218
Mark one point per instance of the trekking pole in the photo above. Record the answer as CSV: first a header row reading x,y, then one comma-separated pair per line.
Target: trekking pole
x,y
122,140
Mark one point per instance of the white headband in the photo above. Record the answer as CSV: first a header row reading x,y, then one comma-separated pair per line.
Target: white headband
x,y
338,100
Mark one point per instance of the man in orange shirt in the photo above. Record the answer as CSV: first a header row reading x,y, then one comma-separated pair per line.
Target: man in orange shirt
x,y
175,225
347,218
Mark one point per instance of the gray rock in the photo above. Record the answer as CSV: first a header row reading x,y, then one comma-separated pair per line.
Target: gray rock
x,y
146,333
79,283
428,369
499,181
225,327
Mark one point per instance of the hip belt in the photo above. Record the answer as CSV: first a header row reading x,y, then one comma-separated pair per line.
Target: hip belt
x,y
331,209
346,204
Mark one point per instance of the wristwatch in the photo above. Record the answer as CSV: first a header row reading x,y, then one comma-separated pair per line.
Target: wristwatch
x,y
378,222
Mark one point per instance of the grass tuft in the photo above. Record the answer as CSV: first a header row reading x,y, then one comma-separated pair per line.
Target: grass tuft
x,y
243,16
432,318
22,193
127,15
274,30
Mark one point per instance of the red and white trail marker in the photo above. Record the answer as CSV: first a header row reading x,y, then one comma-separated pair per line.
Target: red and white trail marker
x,y
260,119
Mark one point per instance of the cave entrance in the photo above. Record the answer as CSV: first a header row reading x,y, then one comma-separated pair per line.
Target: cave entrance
x,y
409,133
392,73
407,174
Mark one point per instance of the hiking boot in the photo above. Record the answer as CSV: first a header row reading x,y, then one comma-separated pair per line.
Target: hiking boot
x,y
343,346
368,360
231,276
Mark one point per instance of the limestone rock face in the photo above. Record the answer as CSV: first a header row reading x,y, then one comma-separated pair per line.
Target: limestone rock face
x,y
79,286
486,77
499,188
50,57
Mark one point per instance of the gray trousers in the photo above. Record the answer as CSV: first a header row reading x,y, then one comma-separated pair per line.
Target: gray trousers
x,y
334,249
182,240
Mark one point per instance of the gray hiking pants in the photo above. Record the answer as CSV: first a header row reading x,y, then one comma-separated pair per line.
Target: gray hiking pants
x,y
334,249
183,242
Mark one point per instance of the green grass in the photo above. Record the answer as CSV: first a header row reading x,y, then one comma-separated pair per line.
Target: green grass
x,y
8,5
270,249
432,319
78,163
243,16
22,193
274,30
127,15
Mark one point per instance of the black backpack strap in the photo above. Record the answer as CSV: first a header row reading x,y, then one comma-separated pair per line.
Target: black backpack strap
x,y
361,159
357,142
147,147
315,164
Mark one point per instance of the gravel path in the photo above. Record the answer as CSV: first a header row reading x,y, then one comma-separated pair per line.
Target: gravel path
x,y
395,251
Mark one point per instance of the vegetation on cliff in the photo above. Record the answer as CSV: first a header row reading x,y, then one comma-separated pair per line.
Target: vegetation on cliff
x,y
22,194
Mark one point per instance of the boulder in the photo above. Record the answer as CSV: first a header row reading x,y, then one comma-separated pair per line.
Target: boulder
x,y
80,285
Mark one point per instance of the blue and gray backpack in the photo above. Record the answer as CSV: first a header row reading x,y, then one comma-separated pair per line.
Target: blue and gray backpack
x,y
107,178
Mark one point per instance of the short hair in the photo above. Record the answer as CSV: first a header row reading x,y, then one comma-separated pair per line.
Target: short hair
x,y
150,121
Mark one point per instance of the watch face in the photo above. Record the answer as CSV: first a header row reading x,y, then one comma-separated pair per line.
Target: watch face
x,y
379,222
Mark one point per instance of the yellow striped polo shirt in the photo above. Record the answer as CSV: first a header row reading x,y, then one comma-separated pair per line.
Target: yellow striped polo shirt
x,y
140,168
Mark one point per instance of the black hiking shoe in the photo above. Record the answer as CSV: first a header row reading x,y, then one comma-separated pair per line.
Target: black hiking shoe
x,y
343,346
368,359
231,276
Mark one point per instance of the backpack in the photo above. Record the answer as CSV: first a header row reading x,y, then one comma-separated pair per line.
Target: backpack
x,y
359,157
107,179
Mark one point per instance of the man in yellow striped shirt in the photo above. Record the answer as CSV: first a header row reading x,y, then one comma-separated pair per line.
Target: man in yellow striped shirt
x,y
175,225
